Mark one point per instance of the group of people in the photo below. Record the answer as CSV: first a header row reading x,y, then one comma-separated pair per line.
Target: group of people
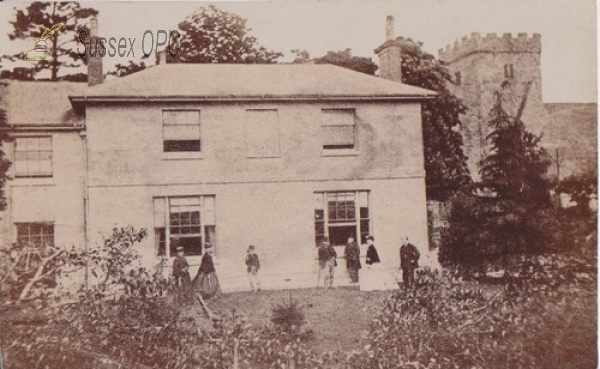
x,y
206,282
374,276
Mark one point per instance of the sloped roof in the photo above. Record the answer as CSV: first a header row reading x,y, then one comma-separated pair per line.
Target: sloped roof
x,y
249,81
40,103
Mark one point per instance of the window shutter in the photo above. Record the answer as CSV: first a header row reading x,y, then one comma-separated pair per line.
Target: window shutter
x,y
338,128
160,212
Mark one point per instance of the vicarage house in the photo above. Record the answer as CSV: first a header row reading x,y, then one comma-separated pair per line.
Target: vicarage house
x,y
276,156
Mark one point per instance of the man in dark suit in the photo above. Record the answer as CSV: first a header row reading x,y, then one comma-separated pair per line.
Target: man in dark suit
x,y
352,255
409,261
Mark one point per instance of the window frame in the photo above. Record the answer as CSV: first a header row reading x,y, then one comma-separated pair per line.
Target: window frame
x,y
41,235
509,71
163,228
28,173
181,153
341,151
325,222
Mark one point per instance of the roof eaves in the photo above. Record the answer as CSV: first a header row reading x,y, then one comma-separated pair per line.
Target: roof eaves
x,y
77,101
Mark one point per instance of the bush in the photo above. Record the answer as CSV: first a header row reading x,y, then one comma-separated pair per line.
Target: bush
x,y
488,232
288,316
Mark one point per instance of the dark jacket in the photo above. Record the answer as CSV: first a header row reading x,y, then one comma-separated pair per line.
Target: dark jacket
x,y
326,253
409,256
206,266
180,267
352,255
372,256
252,262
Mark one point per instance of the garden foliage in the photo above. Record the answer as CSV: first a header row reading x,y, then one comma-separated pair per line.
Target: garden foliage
x,y
512,214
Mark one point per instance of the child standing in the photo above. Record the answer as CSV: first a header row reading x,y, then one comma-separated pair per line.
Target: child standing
x,y
253,264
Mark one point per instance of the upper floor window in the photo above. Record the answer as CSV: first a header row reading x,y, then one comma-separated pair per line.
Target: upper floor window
x,y
35,234
458,78
181,131
509,71
262,133
338,130
33,157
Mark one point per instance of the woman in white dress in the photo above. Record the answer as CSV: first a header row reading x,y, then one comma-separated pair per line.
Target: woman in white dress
x,y
374,277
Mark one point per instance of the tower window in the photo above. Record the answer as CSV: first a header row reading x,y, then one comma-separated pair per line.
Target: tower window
x,y
457,78
509,71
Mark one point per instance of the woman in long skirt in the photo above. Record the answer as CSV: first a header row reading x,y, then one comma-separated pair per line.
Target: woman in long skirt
x,y
206,282
374,277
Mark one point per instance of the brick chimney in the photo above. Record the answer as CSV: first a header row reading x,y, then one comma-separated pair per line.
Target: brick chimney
x,y
95,61
161,57
390,53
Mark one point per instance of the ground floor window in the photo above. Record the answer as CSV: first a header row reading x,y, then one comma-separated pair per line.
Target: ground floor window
x,y
186,221
35,234
340,214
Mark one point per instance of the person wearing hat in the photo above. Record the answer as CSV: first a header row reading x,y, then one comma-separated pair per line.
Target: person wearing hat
x,y
206,280
327,263
372,255
375,277
252,266
409,261
181,275
352,256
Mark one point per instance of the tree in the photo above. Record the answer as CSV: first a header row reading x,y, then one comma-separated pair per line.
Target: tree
x,y
210,35
517,165
513,216
123,70
345,59
445,163
30,23
4,162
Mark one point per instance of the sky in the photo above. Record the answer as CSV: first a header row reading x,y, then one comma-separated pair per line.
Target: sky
x,y
567,27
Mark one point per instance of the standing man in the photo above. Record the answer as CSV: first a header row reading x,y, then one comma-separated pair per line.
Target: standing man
x,y
352,256
409,261
181,274
327,263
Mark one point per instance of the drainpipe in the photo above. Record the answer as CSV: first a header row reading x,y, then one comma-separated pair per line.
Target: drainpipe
x,y
86,205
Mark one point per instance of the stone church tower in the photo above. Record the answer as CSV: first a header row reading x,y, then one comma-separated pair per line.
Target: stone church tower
x,y
484,66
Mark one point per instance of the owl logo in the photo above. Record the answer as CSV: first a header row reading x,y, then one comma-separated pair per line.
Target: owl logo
x,y
40,52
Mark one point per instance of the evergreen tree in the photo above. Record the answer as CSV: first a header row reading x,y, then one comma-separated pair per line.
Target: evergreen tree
x,y
513,215
30,23
516,167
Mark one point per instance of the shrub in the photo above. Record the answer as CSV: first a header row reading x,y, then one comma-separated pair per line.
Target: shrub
x,y
288,316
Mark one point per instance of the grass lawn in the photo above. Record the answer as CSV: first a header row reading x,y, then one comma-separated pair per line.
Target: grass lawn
x,y
338,316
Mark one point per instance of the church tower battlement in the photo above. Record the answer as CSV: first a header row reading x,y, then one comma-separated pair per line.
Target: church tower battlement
x,y
491,43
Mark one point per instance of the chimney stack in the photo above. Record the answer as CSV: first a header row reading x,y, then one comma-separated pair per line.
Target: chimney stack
x,y
390,53
389,28
161,57
93,55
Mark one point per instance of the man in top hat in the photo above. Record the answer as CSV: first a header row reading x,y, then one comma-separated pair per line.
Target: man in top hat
x,y
327,263
409,261
181,275
352,256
